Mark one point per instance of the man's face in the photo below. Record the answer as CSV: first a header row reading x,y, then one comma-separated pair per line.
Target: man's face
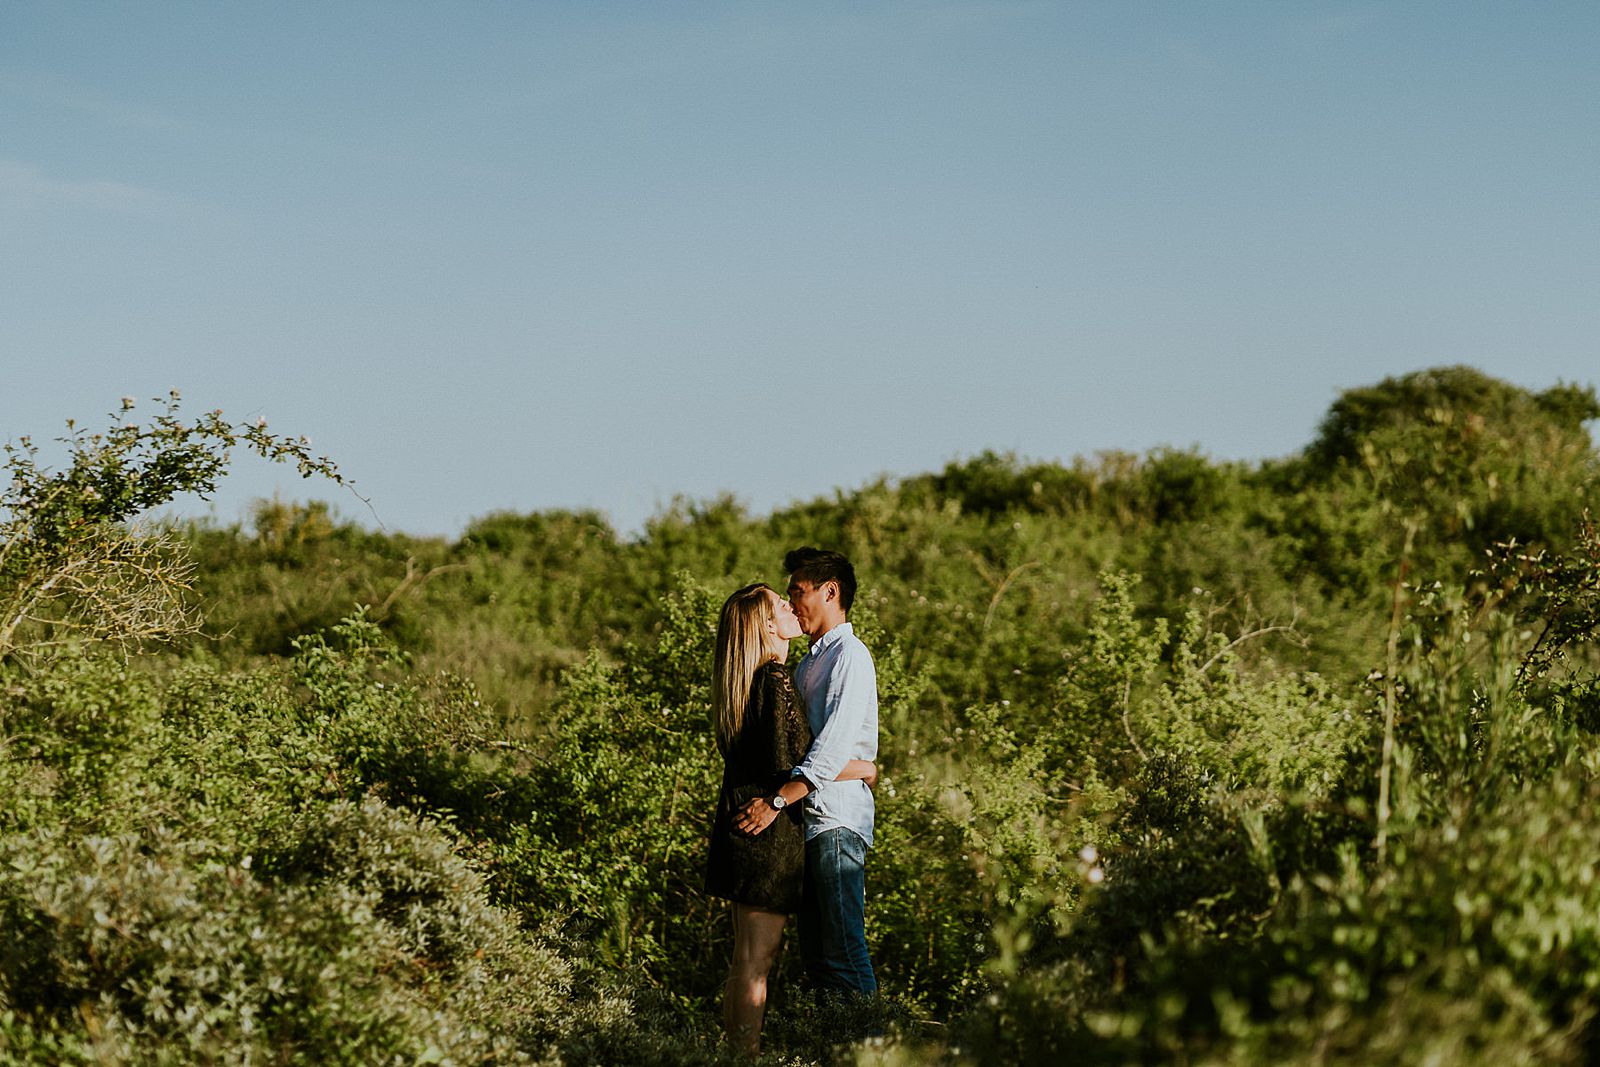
x,y
808,601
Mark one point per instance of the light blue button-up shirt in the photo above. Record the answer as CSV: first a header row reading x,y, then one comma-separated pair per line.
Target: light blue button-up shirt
x,y
840,687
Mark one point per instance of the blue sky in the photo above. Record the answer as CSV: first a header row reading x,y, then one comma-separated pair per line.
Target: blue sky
x,y
533,255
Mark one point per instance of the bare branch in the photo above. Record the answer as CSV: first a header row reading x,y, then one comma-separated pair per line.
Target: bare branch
x,y
1250,635
1005,584
1127,722
409,582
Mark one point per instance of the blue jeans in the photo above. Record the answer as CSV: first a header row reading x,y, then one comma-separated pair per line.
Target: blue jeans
x,y
833,937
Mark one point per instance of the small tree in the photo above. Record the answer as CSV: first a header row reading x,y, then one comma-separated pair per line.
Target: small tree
x,y
76,565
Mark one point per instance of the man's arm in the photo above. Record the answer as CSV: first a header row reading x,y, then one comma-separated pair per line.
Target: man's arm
x,y
852,692
758,814
860,770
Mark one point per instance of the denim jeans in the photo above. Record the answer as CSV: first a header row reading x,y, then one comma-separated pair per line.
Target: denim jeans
x,y
833,939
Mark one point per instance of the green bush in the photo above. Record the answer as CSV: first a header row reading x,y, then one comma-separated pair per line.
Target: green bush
x,y
1182,761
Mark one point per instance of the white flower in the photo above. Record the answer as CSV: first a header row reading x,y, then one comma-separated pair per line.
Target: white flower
x,y
1096,875
1088,854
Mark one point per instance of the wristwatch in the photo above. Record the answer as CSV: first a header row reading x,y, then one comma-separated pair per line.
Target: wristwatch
x,y
777,801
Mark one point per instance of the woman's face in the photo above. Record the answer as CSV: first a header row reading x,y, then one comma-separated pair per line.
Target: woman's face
x,y
784,626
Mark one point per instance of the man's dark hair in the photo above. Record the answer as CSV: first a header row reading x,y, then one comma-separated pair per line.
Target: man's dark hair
x,y
815,566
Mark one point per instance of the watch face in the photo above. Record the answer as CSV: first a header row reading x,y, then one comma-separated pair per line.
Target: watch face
x,y
778,803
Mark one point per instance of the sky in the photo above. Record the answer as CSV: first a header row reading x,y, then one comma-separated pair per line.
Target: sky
x,y
537,255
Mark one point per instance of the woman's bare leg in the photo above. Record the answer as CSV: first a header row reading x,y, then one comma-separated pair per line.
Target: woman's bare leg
x,y
757,936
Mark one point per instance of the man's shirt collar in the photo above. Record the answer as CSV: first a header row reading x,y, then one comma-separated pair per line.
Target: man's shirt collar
x,y
827,640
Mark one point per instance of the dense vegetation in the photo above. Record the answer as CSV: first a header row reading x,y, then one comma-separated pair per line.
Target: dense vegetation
x,y
1183,761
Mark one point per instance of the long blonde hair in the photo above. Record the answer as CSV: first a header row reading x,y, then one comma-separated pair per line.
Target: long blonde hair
x,y
741,649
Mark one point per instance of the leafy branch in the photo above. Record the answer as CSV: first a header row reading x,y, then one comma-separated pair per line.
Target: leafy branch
x,y
76,564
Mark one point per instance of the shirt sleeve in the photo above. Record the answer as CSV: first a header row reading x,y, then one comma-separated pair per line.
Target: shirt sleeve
x,y
851,696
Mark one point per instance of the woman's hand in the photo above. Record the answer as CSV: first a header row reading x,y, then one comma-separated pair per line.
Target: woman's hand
x,y
871,776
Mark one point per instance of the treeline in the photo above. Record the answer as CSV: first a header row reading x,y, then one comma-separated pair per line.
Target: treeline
x,y
1183,760
986,568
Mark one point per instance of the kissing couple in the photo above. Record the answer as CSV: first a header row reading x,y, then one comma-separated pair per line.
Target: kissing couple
x,y
794,816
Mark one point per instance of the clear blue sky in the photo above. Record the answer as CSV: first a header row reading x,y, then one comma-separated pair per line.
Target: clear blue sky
x,y
533,255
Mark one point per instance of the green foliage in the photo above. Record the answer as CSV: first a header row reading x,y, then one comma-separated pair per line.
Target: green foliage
x,y
1097,698
1557,592
960,842
70,566
1181,761
633,764
1285,733
1426,400
215,878
298,570
1461,459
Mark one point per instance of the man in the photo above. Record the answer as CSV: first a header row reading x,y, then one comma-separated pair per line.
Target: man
x,y
840,687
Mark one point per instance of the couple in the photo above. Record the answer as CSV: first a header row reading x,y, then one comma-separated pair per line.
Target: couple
x,y
794,818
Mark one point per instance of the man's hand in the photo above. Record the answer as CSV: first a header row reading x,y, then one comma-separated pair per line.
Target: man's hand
x,y
755,817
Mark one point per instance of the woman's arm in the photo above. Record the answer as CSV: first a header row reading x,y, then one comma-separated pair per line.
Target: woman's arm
x,y
863,769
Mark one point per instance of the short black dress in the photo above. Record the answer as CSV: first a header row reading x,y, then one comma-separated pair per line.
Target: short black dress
x,y
766,870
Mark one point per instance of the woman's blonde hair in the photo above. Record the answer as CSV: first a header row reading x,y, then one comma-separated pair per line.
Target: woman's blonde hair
x,y
741,649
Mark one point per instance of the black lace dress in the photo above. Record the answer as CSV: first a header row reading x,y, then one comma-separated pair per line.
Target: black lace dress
x,y
765,870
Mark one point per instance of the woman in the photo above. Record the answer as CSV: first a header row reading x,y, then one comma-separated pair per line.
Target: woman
x,y
762,733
